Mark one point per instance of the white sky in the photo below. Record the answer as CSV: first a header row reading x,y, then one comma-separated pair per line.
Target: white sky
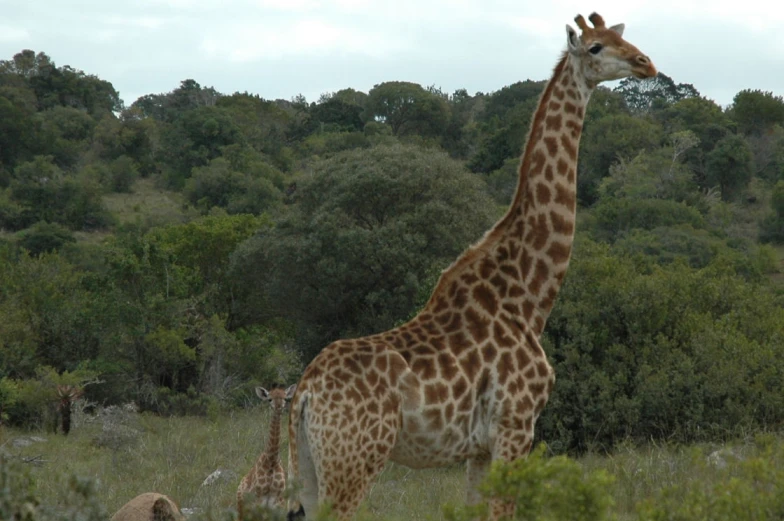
x,y
281,48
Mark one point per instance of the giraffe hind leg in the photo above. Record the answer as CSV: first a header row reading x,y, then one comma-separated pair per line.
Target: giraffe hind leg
x,y
307,495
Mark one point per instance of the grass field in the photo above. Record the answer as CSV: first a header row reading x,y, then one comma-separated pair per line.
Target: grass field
x,y
148,203
143,453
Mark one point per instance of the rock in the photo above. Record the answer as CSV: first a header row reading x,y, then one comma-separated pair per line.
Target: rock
x,y
220,475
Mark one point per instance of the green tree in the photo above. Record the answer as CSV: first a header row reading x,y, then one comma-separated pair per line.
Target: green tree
x,y
44,237
336,114
46,315
729,166
366,233
643,96
45,194
194,139
499,103
656,174
607,140
772,227
506,140
219,184
669,353
65,134
263,124
705,119
172,105
407,108
756,111
18,131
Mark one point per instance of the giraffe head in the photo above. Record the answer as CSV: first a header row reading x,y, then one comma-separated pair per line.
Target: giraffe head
x,y
603,54
69,393
277,396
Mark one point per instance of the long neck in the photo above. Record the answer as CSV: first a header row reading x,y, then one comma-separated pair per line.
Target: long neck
x,y
524,257
541,219
273,442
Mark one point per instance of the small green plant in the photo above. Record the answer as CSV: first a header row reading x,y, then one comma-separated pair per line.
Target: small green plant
x,y
750,490
17,500
544,489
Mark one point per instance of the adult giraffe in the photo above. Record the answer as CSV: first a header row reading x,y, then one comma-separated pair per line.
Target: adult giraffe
x,y
466,378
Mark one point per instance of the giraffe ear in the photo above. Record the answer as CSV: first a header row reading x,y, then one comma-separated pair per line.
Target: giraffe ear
x,y
290,391
618,29
262,393
572,40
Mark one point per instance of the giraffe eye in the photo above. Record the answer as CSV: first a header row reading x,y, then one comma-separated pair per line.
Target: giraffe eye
x,y
595,48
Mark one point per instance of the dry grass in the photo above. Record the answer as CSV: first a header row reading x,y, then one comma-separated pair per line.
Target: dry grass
x,y
174,456
149,205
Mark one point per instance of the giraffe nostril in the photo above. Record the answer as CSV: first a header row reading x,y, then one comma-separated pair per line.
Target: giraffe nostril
x,y
643,60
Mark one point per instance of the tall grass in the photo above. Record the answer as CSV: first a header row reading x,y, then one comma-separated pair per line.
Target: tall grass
x,y
174,456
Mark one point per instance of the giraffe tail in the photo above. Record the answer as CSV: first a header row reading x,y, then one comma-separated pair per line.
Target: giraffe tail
x,y
302,472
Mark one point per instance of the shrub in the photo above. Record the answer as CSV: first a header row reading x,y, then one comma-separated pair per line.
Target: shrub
x,y
545,489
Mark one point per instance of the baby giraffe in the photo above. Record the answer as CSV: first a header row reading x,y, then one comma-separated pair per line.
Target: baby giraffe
x,y
266,480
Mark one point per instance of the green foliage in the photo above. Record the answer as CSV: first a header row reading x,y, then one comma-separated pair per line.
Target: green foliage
x,y
500,103
502,183
9,394
505,140
658,174
46,315
613,217
317,223
65,133
772,227
750,491
17,128
338,112
123,174
218,184
545,489
170,106
729,166
195,138
644,96
679,353
756,111
32,401
78,498
407,108
44,193
363,236
324,144
44,237
17,496
606,140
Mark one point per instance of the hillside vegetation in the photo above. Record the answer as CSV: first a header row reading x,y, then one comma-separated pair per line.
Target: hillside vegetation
x,y
180,249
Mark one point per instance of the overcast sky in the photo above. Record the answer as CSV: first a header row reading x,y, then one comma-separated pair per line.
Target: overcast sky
x,y
281,48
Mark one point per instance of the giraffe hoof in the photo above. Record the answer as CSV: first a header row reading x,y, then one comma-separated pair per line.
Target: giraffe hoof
x,y
299,514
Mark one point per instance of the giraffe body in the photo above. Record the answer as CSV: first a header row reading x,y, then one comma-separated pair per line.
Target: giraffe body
x,y
266,481
466,379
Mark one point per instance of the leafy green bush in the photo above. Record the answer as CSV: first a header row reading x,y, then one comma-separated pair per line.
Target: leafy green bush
x,y
544,489
18,502
614,217
45,237
674,353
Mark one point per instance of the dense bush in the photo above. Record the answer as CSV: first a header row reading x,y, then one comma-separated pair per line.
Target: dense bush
x,y
680,353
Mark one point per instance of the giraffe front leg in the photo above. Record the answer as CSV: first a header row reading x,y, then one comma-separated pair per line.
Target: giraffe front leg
x,y
510,445
476,472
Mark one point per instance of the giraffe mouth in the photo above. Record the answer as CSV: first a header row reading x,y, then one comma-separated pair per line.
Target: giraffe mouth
x,y
643,73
